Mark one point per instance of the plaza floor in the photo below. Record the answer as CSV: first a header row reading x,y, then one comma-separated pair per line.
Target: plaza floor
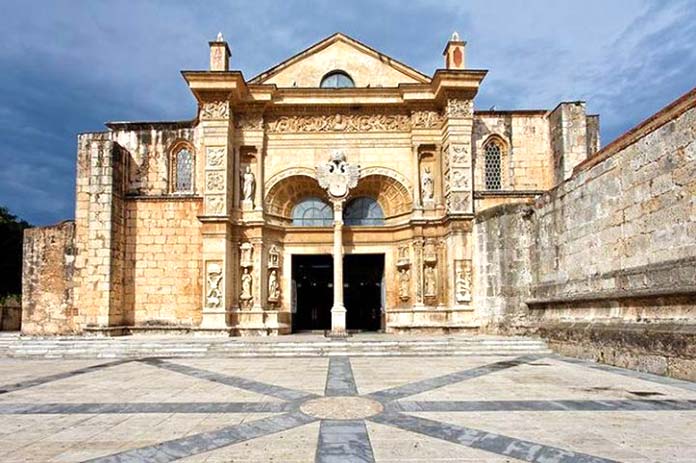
x,y
537,408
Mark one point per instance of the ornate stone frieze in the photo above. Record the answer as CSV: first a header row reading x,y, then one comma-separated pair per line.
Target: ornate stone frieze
x,y
426,119
215,110
249,121
457,107
340,123
214,276
214,181
460,179
215,156
462,280
215,204
459,201
458,154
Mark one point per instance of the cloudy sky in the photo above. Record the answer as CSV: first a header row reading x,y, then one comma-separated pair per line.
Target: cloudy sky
x,y
68,66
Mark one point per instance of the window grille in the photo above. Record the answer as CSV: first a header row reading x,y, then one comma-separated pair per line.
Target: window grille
x,y
183,172
491,165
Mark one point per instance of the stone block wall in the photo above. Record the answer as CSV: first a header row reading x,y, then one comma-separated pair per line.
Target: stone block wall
x,y
162,277
47,280
10,314
614,246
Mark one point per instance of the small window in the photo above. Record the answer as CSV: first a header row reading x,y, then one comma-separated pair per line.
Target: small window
x,y
183,171
363,211
491,166
337,79
312,212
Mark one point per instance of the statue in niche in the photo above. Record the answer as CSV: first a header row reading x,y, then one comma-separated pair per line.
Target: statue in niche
x,y
273,257
404,284
427,185
214,298
248,185
273,286
247,280
430,282
463,283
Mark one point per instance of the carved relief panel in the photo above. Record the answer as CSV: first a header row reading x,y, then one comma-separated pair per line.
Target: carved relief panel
x,y
214,285
462,281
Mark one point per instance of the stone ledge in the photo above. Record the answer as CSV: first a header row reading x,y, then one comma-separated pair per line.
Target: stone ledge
x,y
540,303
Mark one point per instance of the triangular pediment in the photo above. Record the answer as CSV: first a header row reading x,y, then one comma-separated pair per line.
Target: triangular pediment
x,y
366,66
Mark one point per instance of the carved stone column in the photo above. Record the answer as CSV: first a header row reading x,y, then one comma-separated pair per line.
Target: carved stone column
x,y
337,177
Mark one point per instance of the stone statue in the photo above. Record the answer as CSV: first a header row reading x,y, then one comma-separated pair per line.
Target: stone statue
x,y
430,283
273,287
247,280
404,287
248,185
427,185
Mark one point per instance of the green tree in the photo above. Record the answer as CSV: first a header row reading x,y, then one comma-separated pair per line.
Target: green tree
x,y
11,238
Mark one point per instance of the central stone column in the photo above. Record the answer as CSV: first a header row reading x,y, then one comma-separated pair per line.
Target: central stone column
x,y
338,311
337,177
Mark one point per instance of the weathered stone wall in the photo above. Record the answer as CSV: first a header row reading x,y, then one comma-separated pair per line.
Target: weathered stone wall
x,y
10,314
162,263
47,280
613,246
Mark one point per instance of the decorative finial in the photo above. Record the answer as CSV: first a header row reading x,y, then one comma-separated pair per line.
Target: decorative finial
x,y
455,37
220,38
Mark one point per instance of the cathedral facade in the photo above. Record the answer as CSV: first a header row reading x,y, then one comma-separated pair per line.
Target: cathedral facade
x,y
336,191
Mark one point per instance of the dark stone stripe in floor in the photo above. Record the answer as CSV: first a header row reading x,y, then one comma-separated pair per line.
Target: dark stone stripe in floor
x,y
425,385
344,441
489,442
241,383
207,441
58,376
339,379
542,405
666,380
148,407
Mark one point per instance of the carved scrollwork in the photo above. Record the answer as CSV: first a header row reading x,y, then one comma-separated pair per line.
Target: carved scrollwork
x,y
426,119
457,107
214,285
215,110
214,181
462,280
340,123
249,121
215,156
215,204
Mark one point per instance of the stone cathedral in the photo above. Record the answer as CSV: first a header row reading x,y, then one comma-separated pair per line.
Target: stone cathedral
x,y
340,190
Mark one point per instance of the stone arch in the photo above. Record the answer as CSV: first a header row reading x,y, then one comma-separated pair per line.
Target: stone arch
x,y
504,164
172,151
391,190
288,187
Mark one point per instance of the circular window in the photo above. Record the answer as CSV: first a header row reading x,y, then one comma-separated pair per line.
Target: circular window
x,y
337,79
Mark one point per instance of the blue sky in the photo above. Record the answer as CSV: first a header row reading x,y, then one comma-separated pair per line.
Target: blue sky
x,y
68,66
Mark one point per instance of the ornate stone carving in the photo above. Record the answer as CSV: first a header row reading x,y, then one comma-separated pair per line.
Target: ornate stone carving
x,y
247,284
214,181
249,121
214,285
459,201
426,119
340,123
462,281
430,252
248,186
246,254
403,259
273,286
215,156
273,257
404,283
458,153
215,204
215,110
430,280
337,176
457,107
427,185
460,179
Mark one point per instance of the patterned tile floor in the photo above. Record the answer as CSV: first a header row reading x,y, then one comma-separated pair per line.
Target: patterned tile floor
x,y
340,409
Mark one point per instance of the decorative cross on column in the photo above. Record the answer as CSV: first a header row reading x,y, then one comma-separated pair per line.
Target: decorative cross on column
x,y
337,177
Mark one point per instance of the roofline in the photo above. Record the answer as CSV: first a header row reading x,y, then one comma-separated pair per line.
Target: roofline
x,y
326,41
139,125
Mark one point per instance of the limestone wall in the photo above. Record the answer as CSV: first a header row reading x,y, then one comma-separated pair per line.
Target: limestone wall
x,y
615,245
162,262
47,286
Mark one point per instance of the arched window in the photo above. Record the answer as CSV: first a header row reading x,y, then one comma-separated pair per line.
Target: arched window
x,y
337,79
363,211
493,152
183,171
312,212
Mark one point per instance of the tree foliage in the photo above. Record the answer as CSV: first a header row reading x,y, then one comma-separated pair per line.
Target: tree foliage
x,y
11,238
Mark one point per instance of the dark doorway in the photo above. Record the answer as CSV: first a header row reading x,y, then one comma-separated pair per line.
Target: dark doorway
x,y
362,291
312,279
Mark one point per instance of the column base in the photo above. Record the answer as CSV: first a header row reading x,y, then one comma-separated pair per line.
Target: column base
x,y
338,322
214,319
